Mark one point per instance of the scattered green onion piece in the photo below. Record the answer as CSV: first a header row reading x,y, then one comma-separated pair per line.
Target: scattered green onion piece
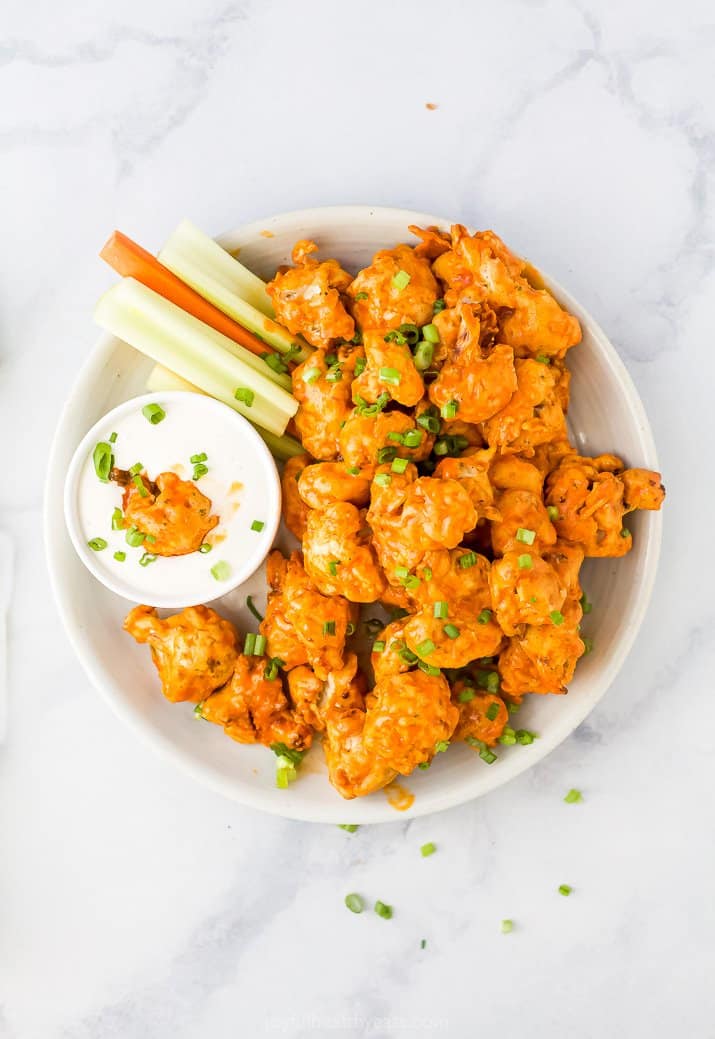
x,y
249,643
204,548
112,438
450,409
430,333
396,438
378,646
136,468
312,375
383,910
276,363
573,797
423,356
360,366
487,755
360,296
492,711
221,571
542,359
349,628
150,539
199,470
134,537
440,610
410,332
270,671
466,695
395,336
120,556
399,465
357,338
117,520
349,827
354,903
488,680
565,889
428,849
525,535
195,459
146,559
259,647
390,376
386,454
425,648
401,280
553,512
451,631
587,645
333,567
103,460
139,484
429,420
441,746
153,413
427,573
329,628
424,764
334,374
429,669
245,396
467,560
484,617
508,737
507,926
438,305
258,526
412,438
524,737
383,479
97,544
525,562
625,533
198,713
353,470
407,656
252,607
557,617
423,943
586,606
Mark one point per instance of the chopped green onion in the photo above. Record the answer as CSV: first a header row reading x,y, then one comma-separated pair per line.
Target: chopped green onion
x,y
360,365
423,356
423,943
136,468
450,409
153,413
354,903
467,560
587,645
399,465
395,336
350,628
573,797
221,571
120,556
349,827
524,737
438,305
117,520
383,479
333,567
386,454
542,359
625,533
565,889
150,539
525,535
312,375
410,332
134,537
270,671
484,617
427,573
488,756
97,544
258,526
428,849
249,643
507,926
146,559
383,910
557,617
430,333
276,363
429,669
329,628
357,338
508,737
524,562
429,420
112,438
331,359
378,646
425,648
252,607
440,610
466,695
334,374
204,548
488,680
397,438
401,572
259,647
199,470
553,512
353,470
390,375
401,280
195,459
103,460
586,606
198,713
245,396
451,631
360,296
424,764
492,711
139,484
407,656
412,438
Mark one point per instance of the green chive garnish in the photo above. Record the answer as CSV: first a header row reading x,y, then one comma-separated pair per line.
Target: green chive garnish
x,y
440,610
438,305
333,567
349,827
312,375
117,520
428,849
625,533
573,797
484,617
329,628
252,607
450,409
221,571
425,648
249,643
492,711
524,562
136,468
383,479
399,465
204,548
195,459
524,737
199,470
565,889
451,631
354,903
120,556
103,460
383,910
466,695
258,526
134,537
430,333
526,536
97,544
412,438
424,355
467,560
401,280
557,617
358,297
378,646
153,413
386,454
553,512
507,926
112,438
390,376
146,559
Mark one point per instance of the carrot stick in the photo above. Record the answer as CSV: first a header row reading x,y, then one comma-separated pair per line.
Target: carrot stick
x,y
131,261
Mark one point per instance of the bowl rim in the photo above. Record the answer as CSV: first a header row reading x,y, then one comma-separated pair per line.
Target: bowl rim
x,y
362,810
120,585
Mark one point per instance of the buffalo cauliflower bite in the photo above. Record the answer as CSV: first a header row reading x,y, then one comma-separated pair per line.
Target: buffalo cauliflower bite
x,y
254,709
454,640
532,416
307,298
326,482
471,469
482,716
194,651
397,288
171,511
324,401
365,437
525,590
338,555
524,523
295,511
542,661
397,726
390,369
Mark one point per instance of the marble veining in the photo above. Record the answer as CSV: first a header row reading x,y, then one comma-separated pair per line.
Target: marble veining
x,y
136,905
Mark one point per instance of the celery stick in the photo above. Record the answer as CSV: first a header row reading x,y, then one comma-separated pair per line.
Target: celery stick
x,y
282,448
192,350
191,266
221,265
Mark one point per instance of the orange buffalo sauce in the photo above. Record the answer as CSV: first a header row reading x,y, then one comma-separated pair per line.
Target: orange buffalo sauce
x,y
399,797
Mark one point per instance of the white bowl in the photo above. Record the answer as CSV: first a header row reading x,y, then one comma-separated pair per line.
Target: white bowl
x,y
242,453
606,415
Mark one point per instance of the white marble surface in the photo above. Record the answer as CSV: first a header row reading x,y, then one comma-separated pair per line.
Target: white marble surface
x,y
135,905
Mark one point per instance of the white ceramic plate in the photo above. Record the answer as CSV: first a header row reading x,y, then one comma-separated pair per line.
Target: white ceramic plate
x,y
605,415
